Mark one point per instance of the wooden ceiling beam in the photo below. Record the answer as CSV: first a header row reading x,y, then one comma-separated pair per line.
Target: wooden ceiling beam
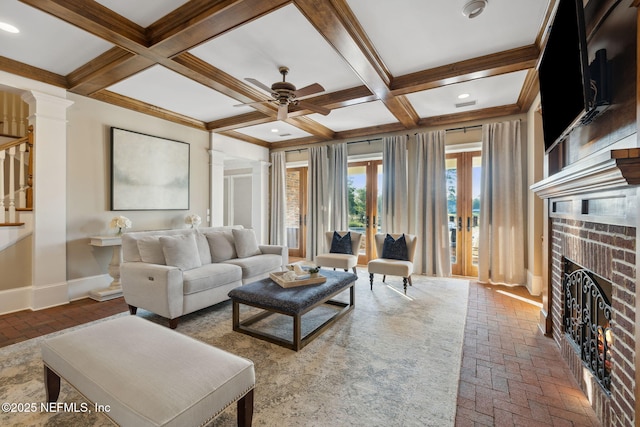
x,y
239,121
245,138
530,90
144,108
486,113
311,126
509,61
21,69
335,21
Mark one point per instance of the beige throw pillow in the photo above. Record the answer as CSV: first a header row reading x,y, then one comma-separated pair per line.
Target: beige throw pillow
x,y
221,246
246,243
151,250
181,251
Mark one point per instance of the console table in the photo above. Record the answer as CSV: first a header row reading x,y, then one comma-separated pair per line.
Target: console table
x,y
114,290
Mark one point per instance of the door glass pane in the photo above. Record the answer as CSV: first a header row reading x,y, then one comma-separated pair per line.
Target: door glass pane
x,y
475,207
452,204
357,182
293,209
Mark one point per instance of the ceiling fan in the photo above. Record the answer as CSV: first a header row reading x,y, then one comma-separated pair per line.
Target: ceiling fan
x,y
285,94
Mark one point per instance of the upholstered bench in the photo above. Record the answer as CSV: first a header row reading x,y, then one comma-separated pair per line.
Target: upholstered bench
x,y
149,375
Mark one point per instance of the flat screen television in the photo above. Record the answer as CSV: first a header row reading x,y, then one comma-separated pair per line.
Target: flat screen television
x,y
565,86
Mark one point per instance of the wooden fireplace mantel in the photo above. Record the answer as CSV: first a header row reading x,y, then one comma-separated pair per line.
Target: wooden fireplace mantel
x,y
610,170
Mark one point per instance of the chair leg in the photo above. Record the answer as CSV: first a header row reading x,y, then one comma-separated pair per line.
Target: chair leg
x,y
371,280
346,269
384,278
404,283
410,283
354,271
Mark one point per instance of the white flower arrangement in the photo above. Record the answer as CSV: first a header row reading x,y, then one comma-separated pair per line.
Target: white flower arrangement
x,y
120,222
194,220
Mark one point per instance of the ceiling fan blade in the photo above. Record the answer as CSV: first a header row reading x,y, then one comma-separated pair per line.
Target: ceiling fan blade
x,y
308,90
259,84
283,111
316,108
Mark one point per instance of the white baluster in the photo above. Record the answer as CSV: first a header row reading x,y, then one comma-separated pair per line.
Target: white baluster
x,y
22,192
12,185
3,215
23,119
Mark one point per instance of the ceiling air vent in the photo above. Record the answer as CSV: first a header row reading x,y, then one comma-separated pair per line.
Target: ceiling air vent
x,y
284,134
465,104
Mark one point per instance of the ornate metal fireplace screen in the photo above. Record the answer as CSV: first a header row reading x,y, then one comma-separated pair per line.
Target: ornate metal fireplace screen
x,y
587,317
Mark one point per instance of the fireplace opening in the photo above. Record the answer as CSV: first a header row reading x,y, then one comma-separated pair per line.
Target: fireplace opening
x,y
587,317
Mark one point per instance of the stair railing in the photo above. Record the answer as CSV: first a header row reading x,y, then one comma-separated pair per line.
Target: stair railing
x,y
24,190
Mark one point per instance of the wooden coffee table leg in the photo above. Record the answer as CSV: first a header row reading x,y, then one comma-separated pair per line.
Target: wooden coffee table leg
x,y
297,332
51,384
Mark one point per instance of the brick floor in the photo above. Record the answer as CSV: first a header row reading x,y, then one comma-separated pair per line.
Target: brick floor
x,y
511,374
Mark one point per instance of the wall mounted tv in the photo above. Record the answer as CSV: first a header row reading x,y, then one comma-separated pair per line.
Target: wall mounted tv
x,y
572,92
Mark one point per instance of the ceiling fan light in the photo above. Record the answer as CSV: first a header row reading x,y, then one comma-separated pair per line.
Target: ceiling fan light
x,y
9,28
474,8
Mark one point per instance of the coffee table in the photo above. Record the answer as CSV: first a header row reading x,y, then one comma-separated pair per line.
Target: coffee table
x,y
295,302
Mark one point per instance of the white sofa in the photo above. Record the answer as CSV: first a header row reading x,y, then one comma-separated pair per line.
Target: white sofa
x,y
176,272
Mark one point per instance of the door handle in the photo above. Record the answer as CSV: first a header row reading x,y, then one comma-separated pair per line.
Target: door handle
x,y
459,223
468,224
366,224
375,224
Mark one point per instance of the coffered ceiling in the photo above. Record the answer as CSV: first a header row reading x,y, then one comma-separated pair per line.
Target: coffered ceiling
x,y
384,65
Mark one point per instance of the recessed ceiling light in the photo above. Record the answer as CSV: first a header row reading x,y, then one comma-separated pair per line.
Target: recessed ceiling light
x,y
274,130
474,8
8,28
463,96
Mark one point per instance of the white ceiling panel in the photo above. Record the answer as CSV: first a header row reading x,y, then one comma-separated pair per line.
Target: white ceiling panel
x,y
167,89
44,41
142,12
281,38
413,35
362,115
488,92
283,131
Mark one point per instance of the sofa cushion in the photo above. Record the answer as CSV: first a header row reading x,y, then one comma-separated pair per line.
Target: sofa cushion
x,y
203,248
246,243
181,251
221,246
151,250
210,276
256,265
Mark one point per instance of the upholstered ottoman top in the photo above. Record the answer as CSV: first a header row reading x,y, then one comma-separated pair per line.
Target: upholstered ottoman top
x,y
267,294
149,375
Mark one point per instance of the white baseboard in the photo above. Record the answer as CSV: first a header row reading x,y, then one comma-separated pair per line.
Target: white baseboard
x,y
13,300
80,288
49,296
534,283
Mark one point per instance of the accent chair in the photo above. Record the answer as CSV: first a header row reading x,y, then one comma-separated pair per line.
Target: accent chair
x,y
334,259
396,252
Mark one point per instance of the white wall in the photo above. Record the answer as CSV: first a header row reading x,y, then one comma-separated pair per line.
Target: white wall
x,y
88,179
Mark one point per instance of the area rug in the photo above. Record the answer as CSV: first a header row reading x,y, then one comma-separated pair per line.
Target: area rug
x,y
392,361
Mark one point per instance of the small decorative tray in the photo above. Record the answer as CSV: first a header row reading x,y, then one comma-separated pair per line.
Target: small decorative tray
x,y
277,277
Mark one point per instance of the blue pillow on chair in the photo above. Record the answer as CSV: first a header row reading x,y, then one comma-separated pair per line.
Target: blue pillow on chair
x,y
341,245
395,249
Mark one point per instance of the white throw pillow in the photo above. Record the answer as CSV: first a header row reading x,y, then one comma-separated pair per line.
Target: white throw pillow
x,y
246,243
151,250
181,251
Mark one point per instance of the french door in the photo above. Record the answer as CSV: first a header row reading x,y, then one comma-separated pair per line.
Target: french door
x,y
365,204
296,223
463,207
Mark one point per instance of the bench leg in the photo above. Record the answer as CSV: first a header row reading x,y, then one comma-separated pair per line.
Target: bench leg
x,y
245,410
51,384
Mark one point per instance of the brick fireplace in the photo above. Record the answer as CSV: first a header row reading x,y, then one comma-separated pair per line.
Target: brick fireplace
x,y
593,221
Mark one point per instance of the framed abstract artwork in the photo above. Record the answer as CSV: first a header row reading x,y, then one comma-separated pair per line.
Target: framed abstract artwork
x,y
148,172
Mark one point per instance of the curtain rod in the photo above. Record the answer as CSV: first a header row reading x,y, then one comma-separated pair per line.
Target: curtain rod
x,y
348,143
463,128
